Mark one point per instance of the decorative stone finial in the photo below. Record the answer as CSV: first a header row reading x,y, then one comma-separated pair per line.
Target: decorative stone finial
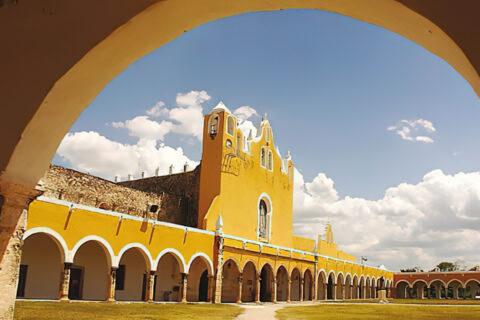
x,y
264,117
219,225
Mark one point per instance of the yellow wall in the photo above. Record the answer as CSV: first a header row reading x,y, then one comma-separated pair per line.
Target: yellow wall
x,y
242,182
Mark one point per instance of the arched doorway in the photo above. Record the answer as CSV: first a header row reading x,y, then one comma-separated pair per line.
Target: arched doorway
x,y
295,285
340,287
249,284
266,281
348,287
321,286
355,290
455,290
402,290
368,290
132,276
331,287
361,288
41,268
307,285
90,273
437,289
282,284
198,280
168,278
471,289
230,286
373,289
419,289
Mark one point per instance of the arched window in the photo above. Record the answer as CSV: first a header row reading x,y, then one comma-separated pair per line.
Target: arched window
x,y
213,125
264,213
230,125
262,157
270,160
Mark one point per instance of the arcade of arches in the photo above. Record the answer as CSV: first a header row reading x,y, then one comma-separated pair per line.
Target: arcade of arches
x,y
436,285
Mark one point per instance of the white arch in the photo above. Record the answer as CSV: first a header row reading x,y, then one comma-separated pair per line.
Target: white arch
x,y
343,277
324,274
102,241
374,282
420,280
207,259
355,276
450,281
141,247
351,279
177,254
434,280
54,234
404,281
334,277
254,266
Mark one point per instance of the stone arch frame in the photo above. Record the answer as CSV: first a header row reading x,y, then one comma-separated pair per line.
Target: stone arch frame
x,y
340,283
468,285
142,249
398,285
102,242
269,269
52,234
205,258
351,278
416,281
453,280
361,286
321,288
355,284
211,119
343,278
176,254
246,285
252,262
403,281
435,280
282,289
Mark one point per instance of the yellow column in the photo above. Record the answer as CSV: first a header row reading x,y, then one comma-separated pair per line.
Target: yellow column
x,y
302,283
257,293
288,289
211,288
275,288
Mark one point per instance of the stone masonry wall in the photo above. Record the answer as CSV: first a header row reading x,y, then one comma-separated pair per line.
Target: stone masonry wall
x,y
81,188
179,193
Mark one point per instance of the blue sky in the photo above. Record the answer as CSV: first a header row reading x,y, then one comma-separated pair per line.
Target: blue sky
x,y
331,87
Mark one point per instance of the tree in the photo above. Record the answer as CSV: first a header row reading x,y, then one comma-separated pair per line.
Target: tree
x,y
445,266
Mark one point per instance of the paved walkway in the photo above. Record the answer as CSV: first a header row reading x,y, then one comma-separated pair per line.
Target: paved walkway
x,y
265,311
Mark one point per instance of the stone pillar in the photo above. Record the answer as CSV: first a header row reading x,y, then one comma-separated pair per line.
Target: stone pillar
x,y
438,292
184,287
151,286
325,291
211,288
240,282
65,285
302,284
288,289
219,275
257,293
113,281
420,291
351,292
455,292
334,291
14,201
275,288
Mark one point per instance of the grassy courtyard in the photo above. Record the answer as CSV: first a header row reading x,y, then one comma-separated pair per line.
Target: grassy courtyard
x,y
437,301
364,311
102,311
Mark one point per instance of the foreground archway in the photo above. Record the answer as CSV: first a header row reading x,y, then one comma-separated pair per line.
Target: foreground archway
x,y
40,268
295,285
321,286
331,294
307,285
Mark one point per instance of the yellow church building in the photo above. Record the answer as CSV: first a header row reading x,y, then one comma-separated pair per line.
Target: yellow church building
x,y
222,232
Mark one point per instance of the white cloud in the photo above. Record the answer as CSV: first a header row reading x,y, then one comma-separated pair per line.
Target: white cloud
x,y
96,154
245,112
158,110
144,128
118,124
409,130
412,225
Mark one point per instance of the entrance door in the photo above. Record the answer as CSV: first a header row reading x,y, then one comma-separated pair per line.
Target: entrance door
x,y
203,287
265,293
75,287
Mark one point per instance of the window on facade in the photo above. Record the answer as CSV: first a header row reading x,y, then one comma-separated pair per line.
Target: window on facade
x,y
263,220
213,125
270,160
120,278
230,125
262,157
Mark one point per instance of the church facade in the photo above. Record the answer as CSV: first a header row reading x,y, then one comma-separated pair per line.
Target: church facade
x,y
220,233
